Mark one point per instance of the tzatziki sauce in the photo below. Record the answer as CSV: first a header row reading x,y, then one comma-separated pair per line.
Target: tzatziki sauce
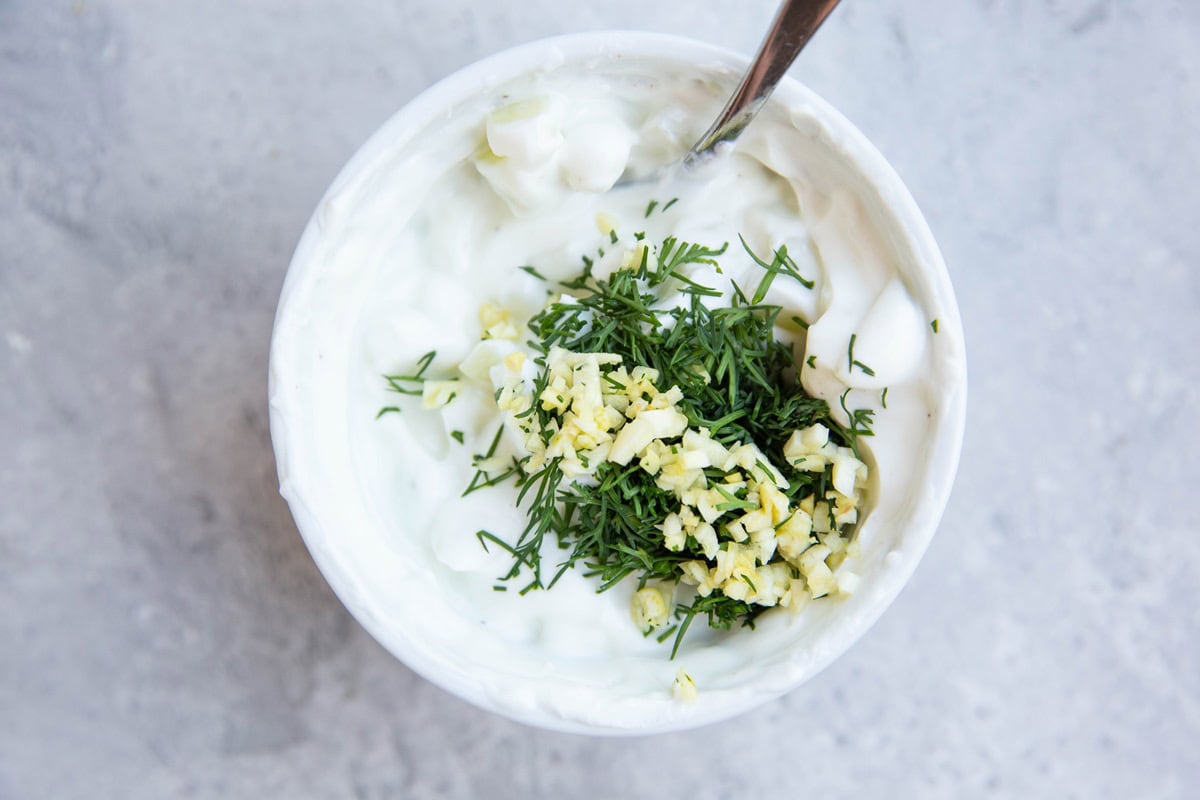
x,y
406,250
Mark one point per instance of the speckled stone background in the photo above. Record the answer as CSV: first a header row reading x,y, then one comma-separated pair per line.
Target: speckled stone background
x,y
164,633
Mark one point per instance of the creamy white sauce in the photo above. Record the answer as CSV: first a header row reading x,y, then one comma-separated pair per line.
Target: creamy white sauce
x,y
409,247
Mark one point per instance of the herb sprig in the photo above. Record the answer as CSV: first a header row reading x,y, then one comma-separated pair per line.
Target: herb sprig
x,y
411,384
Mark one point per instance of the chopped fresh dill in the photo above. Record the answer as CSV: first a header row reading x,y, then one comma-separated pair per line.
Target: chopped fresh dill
x,y
737,380
733,502
457,436
883,397
666,634
934,325
612,236
854,362
410,384
388,410
482,479
653,204
780,263
532,271
811,361
860,422
721,611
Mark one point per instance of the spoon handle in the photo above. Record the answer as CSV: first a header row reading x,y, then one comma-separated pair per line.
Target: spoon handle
x,y
794,25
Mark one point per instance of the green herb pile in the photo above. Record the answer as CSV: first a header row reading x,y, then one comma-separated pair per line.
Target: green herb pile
x,y
738,381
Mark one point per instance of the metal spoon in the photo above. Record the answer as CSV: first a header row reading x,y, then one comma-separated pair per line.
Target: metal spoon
x,y
794,26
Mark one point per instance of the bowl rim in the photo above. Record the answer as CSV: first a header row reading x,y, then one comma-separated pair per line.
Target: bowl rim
x,y
480,76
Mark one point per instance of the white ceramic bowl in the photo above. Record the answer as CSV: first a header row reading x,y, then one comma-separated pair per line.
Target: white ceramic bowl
x,y
309,428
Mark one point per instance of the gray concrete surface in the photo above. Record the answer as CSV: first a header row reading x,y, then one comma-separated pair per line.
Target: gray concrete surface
x,y
163,632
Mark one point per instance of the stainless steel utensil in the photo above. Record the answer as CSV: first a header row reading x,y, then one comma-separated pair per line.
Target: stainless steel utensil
x,y
793,27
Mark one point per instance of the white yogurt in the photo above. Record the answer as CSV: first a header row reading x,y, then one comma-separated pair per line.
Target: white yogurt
x,y
432,220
